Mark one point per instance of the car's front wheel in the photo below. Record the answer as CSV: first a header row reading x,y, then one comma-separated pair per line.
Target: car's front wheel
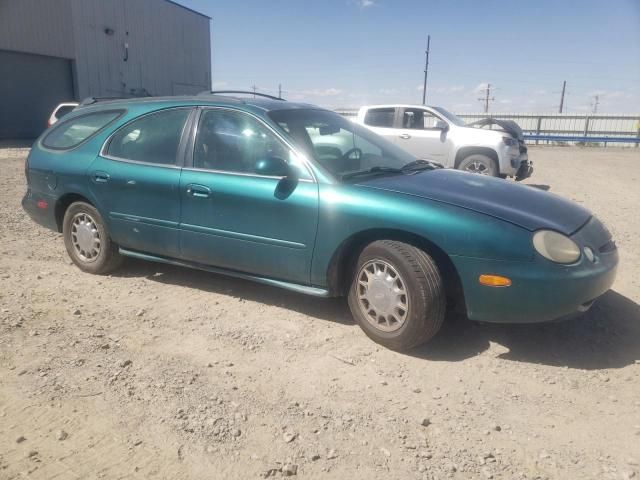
x,y
481,164
397,295
87,240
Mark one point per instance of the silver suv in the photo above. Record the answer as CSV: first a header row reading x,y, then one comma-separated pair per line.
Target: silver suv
x,y
436,134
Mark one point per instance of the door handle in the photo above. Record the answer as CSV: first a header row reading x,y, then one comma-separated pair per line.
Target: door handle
x,y
198,191
101,177
405,136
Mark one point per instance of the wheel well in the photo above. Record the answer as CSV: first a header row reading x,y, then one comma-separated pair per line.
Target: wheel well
x,y
63,203
344,260
464,152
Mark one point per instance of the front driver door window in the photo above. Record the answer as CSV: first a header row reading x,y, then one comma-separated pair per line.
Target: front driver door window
x,y
420,137
237,216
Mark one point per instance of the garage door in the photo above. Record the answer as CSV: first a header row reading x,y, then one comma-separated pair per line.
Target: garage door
x,y
31,86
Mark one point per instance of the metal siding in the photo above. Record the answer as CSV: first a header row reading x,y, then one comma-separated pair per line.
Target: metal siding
x,y
169,48
37,26
31,86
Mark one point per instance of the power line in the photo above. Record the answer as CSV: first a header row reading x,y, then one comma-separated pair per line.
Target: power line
x,y
564,86
426,70
487,98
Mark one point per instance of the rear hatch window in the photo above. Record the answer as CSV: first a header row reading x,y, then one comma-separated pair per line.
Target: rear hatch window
x,y
73,132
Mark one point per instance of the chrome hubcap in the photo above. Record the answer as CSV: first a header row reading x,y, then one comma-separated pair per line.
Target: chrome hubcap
x,y
477,167
85,237
382,295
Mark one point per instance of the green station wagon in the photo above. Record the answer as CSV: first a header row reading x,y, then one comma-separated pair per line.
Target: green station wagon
x,y
299,197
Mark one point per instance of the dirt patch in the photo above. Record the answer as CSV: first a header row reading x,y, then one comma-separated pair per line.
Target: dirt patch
x,y
162,372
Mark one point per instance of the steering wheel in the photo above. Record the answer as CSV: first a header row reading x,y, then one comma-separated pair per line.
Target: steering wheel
x,y
351,151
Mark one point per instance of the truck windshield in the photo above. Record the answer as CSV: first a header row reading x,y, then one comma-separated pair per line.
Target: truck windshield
x,y
453,118
339,145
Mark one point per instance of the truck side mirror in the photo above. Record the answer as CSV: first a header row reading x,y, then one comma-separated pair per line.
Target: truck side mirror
x,y
442,125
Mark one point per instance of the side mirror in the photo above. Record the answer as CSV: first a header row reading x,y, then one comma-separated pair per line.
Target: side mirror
x,y
442,125
273,167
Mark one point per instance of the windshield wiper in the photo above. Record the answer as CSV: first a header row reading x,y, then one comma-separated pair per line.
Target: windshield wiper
x,y
372,171
411,167
417,165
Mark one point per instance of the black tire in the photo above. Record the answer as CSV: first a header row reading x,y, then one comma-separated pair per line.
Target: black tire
x,y
423,284
481,164
106,258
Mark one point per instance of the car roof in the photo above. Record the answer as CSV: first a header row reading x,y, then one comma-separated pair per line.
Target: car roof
x,y
263,104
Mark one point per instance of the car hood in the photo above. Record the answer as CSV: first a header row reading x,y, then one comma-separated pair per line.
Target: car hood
x,y
508,126
522,205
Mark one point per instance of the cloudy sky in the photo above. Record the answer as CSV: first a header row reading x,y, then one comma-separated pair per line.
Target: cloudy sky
x,y
346,53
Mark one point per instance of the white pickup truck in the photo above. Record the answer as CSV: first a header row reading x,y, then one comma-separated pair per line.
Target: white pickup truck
x,y
435,134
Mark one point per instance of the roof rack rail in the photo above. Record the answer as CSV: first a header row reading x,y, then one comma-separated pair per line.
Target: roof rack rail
x,y
135,93
92,100
245,92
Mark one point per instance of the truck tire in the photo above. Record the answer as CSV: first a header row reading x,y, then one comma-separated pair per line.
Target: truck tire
x,y
479,163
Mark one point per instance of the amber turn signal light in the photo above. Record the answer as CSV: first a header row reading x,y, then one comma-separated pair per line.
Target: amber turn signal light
x,y
494,281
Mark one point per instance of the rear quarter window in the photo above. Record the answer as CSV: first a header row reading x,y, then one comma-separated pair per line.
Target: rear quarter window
x,y
71,133
62,111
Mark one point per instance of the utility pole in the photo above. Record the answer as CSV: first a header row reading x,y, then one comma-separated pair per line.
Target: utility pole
x,y
254,90
279,90
564,86
487,99
426,70
596,102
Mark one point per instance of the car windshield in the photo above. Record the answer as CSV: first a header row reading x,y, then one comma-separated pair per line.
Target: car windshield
x,y
341,146
453,118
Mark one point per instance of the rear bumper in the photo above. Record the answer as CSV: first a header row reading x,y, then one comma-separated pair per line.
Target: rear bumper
x,y
41,209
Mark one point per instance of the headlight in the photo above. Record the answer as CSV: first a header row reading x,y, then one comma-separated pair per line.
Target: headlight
x,y
556,247
510,142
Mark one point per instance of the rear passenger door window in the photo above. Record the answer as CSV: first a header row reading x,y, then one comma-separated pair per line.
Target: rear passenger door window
x,y
153,138
234,142
380,117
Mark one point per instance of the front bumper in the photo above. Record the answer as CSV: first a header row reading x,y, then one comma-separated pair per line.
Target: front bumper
x,y
541,290
524,170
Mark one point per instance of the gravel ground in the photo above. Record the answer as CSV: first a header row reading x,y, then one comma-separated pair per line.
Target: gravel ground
x,y
162,372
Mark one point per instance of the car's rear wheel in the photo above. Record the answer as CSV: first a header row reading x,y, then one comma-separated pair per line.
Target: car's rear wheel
x,y
87,240
481,164
397,295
